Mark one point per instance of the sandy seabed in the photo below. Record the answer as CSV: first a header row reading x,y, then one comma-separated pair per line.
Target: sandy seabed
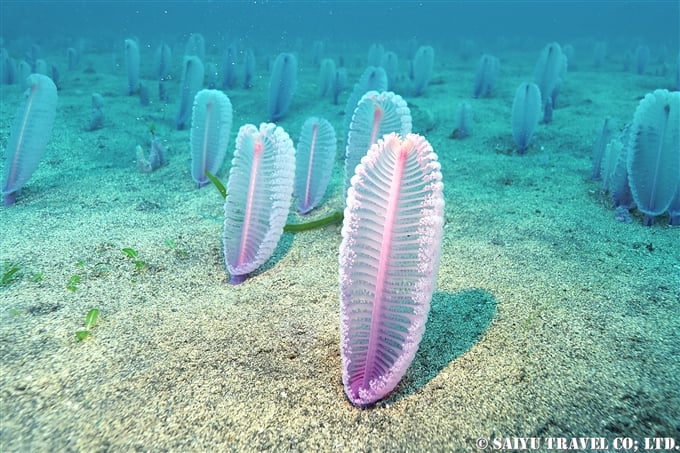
x,y
551,319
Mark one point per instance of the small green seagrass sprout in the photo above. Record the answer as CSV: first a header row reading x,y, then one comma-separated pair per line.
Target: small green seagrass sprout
x,y
36,277
90,321
72,284
152,129
131,253
334,217
10,273
180,253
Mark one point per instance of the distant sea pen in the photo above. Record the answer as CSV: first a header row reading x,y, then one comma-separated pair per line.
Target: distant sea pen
x,y
641,59
339,83
132,65
423,66
551,66
195,46
390,64
97,113
462,121
282,85
326,77
526,110
603,138
486,76
192,81
229,65
248,68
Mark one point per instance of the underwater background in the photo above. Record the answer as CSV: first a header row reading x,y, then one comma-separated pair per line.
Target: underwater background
x,y
551,317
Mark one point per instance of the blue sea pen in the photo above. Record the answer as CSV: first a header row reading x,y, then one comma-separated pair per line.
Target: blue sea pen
x,y
248,68
526,110
375,54
390,63
616,181
73,57
326,77
282,85
132,65
423,65
317,52
604,137
654,153
97,113
641,59
599,54
192,81
195,46
162,60
486,76
229,65
549,69
462,121
339,83
7,68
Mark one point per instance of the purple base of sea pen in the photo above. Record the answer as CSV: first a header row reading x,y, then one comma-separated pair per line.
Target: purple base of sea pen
x,y
237,279
9,199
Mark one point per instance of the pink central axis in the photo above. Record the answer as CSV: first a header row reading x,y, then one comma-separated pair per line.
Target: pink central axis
x,y
257,157
384,260
377,119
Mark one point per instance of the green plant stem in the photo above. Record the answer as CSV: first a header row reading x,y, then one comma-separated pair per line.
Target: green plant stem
x,y
335,217
220,187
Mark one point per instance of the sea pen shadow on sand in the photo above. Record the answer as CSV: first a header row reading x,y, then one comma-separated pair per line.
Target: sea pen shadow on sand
x,y
456,322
